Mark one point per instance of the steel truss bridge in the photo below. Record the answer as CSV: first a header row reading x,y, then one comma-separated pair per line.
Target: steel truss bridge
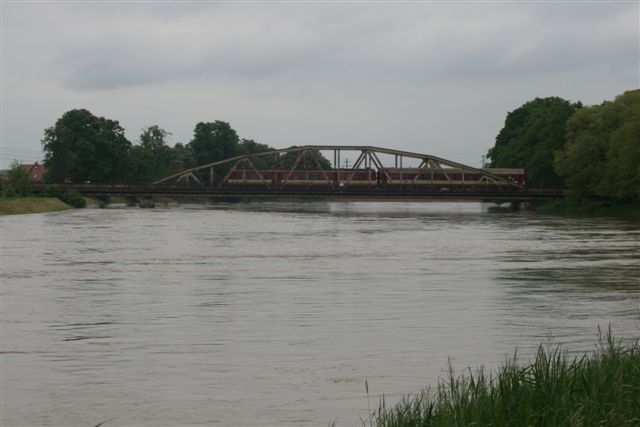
x,y
379,173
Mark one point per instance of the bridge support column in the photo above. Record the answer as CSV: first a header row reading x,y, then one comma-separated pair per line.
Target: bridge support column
x,y
147,202
103,201
523,206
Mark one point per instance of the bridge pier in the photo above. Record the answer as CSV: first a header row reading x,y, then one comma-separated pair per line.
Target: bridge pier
x,y
523,206
103,201
147,203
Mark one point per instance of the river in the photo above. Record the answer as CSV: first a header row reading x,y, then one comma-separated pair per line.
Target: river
x,y
276,313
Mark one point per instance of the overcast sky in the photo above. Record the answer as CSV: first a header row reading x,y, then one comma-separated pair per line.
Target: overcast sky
x,y
436,78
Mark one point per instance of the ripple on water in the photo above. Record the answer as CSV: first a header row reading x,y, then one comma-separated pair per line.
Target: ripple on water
x,y
277,313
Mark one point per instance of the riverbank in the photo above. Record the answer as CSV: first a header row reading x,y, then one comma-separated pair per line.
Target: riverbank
x,y
587,207
26,205
603,389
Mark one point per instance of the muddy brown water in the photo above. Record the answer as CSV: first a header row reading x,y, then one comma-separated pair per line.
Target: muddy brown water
x,y
276,313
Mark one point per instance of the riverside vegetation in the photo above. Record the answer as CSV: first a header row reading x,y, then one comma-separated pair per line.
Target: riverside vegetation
x,y
16,198
588,151
553,390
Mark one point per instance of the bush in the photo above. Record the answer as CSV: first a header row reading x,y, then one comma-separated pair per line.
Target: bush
x,y
19,179
73,198
9,191
53,190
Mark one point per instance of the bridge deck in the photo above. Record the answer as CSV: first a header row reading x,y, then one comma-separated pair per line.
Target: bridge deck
x,y
491,194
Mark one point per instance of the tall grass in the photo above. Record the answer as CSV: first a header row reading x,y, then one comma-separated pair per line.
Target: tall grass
x,y
553,390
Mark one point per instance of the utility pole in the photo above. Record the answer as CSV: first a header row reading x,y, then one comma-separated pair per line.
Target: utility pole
x,y
346,163
482,164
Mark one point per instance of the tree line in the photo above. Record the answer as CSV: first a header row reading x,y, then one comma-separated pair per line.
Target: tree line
x,y
82,147
587,150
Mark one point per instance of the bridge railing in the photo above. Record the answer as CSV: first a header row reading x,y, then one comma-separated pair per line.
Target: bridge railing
x,y
489,194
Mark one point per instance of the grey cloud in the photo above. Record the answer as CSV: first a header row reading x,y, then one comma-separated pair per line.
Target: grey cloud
x,y
392,74
237,43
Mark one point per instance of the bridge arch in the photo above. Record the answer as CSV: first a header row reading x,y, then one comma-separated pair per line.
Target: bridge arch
x,y
367,169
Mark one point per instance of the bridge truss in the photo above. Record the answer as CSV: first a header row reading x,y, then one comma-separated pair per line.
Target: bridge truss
x,y
304,166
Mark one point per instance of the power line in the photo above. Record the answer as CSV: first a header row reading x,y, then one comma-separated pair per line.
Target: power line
x,y
5,153
9,147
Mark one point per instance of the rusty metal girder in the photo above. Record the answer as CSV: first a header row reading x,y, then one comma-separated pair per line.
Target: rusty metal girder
x,y
369,154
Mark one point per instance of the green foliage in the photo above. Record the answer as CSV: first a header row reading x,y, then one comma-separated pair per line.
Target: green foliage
x,y
284,161
622,175
53,190
73,198
554,389
529,138
82,147
214,141
307,163
9,191
184,157
602,155
152,158
249,146
18,179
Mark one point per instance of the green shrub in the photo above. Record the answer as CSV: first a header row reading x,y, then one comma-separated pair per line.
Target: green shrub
x,y
9,191
73,198
53,190
19,179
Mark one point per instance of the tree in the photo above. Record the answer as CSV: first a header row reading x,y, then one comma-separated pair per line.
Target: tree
x,y
154,139
19,179
152,158
249,146
530,136
602,155
214,141
307,163
184,157
582,162
622,175
83,147
61,143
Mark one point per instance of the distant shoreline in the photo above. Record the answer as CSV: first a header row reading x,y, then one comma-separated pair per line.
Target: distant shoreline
x,y
590,208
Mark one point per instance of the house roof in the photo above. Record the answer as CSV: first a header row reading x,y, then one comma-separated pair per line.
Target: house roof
x,y
36,171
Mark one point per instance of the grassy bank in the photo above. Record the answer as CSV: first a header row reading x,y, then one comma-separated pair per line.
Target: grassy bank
x,y
553,390
587,207
23,205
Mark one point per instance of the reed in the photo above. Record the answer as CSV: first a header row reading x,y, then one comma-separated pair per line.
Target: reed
x,y
554,389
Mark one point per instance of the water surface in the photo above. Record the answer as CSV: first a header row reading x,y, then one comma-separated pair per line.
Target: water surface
x,y
276,313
